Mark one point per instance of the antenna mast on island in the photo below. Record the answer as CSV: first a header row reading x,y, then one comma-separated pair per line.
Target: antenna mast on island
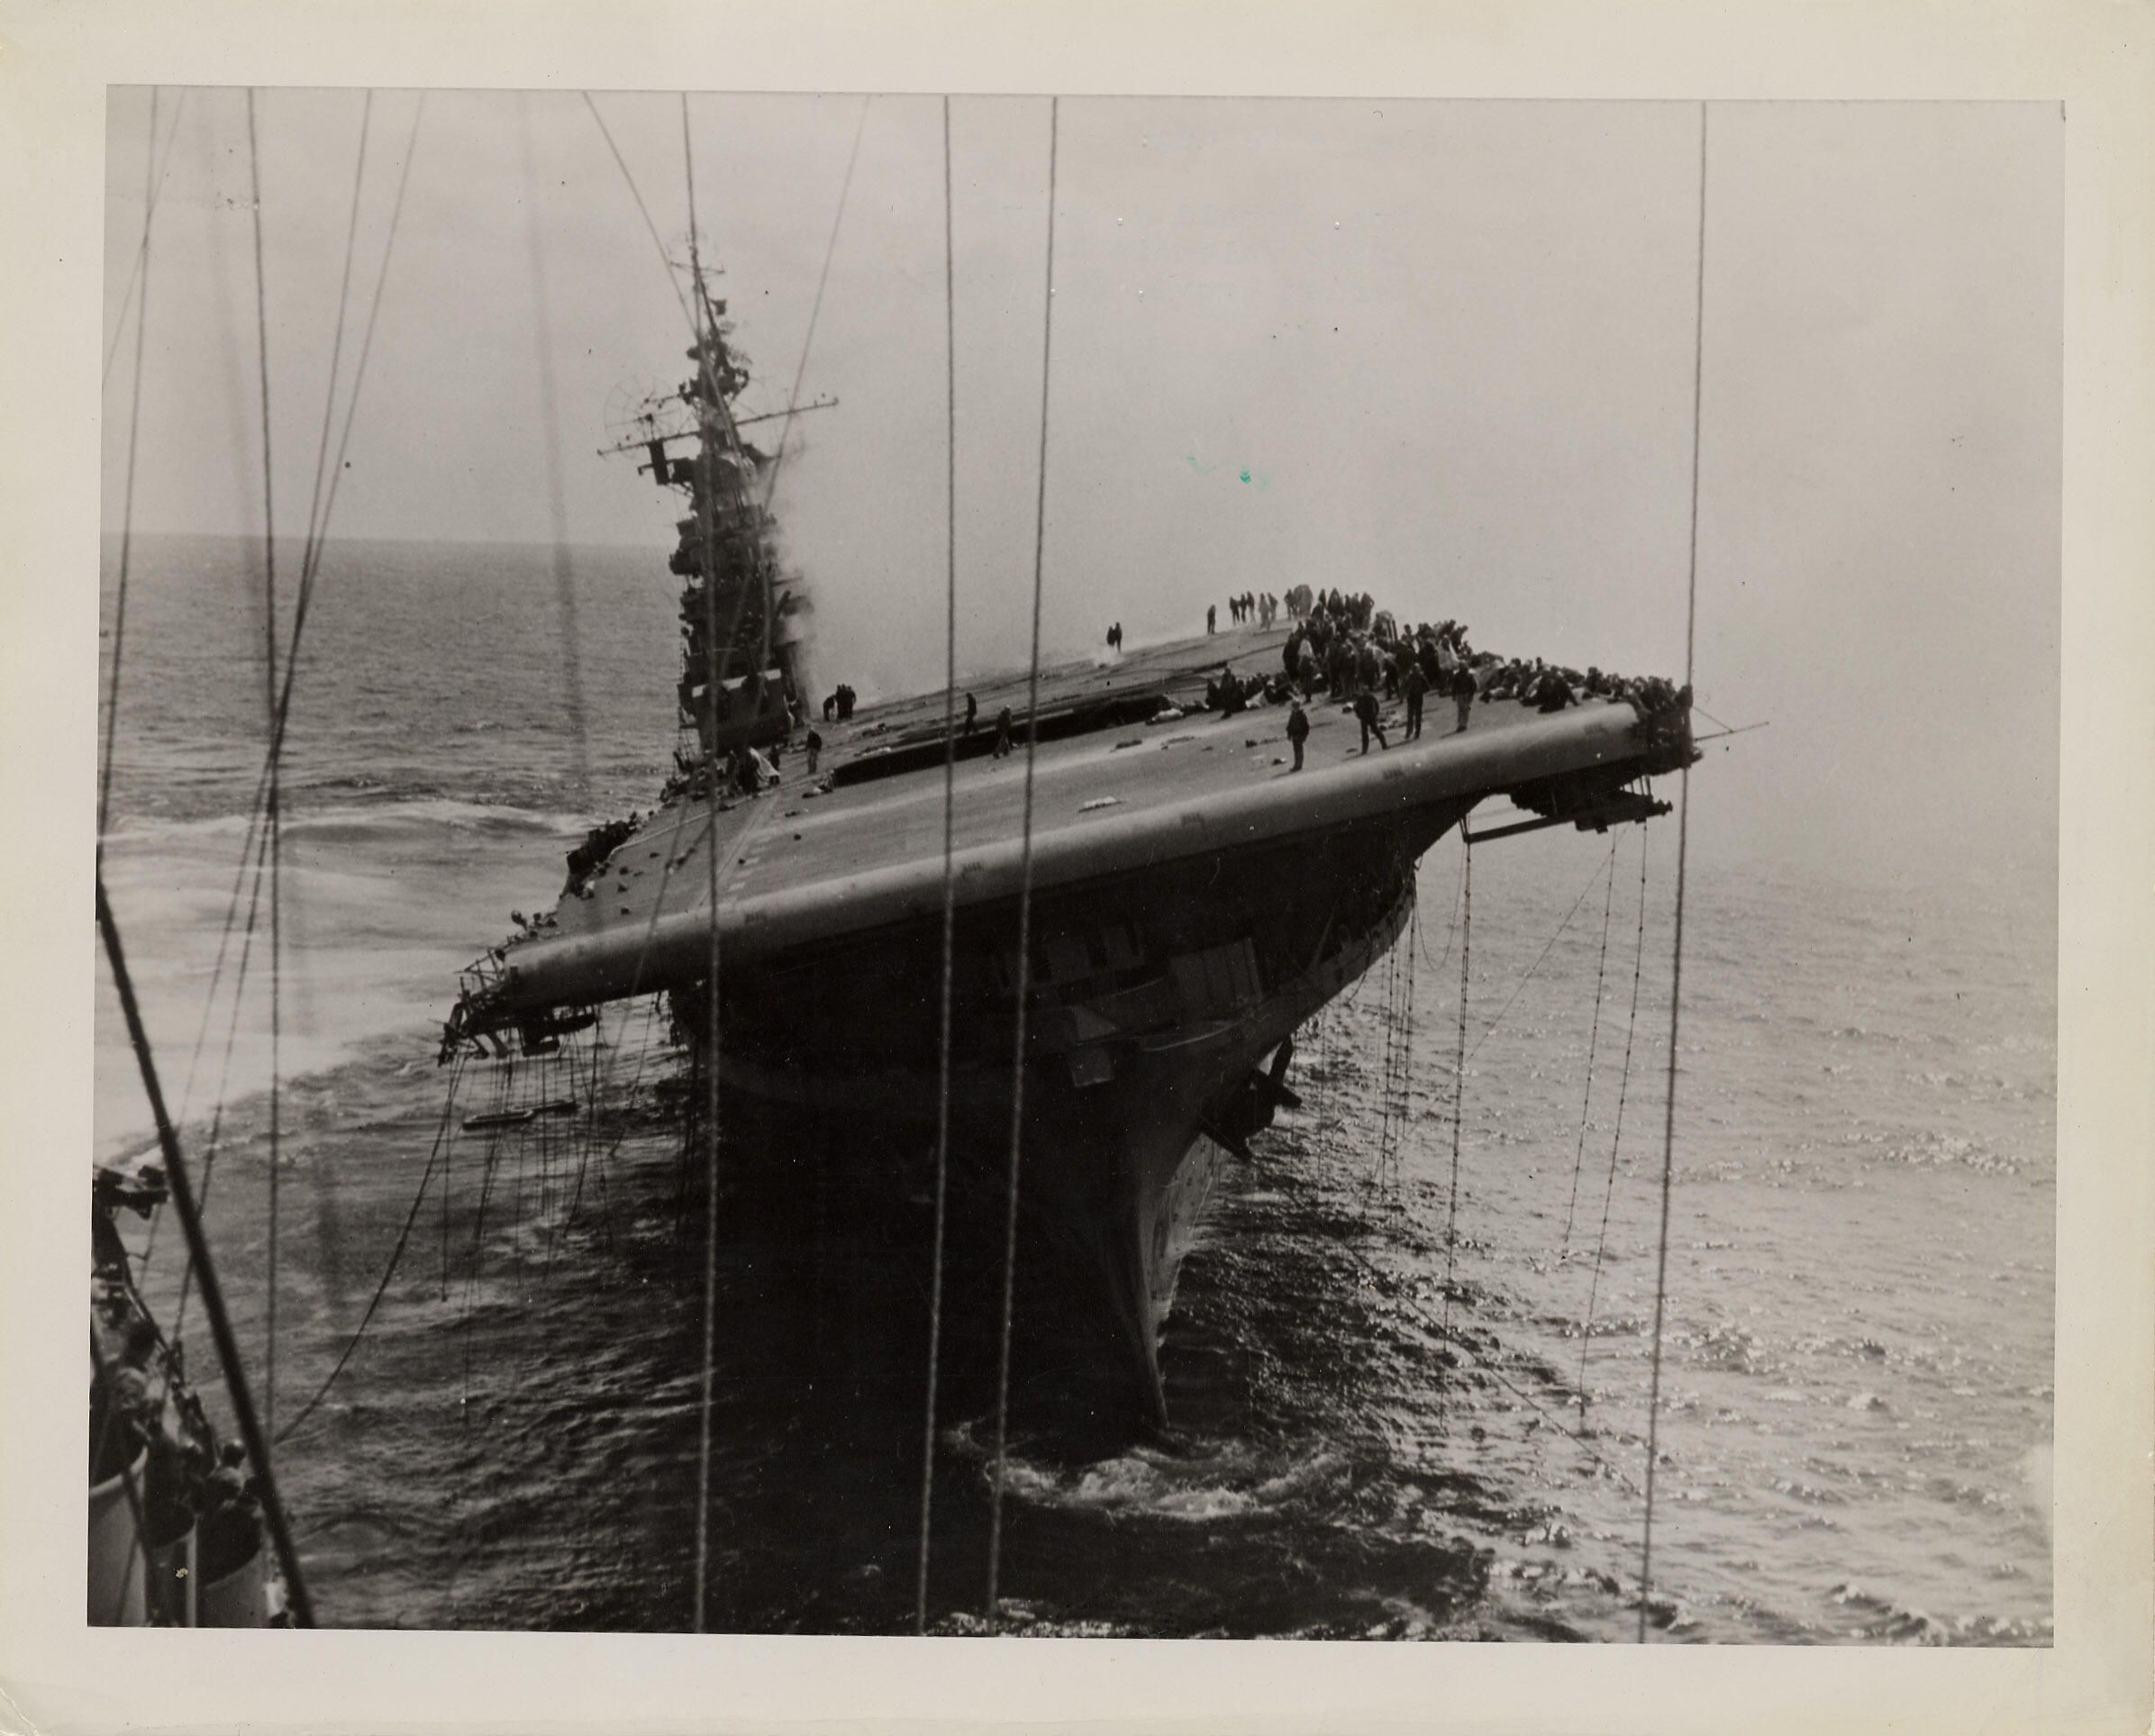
x,y
740,679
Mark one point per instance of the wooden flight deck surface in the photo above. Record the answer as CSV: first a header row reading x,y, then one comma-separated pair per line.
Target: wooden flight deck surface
x,y
795,838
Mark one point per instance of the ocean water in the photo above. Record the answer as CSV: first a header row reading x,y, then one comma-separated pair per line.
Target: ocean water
x,y
1391,1416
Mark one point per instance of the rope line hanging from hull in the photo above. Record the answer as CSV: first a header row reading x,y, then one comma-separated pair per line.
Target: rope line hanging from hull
x,y
1624,1088
1675,945
1024,972
1399,1046
134,429
1389,1288
1606,865
1601,973
1458,1066
949,882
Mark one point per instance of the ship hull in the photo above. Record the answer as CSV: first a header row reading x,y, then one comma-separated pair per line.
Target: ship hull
x,y
1156,1029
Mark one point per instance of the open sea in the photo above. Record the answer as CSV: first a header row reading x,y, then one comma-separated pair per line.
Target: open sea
x,y
1856,1388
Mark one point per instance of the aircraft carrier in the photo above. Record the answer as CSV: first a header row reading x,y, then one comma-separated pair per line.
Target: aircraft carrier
x,y
1155,887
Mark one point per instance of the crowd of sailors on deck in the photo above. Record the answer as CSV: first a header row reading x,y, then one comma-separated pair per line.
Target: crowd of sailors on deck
x,y
1347,647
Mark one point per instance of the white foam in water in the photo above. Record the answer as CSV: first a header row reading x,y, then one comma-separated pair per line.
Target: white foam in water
x,y
380,910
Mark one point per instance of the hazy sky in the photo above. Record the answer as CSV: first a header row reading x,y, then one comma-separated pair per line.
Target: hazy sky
x,y
1451,345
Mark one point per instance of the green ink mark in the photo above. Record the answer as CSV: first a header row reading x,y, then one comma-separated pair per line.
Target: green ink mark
x,y
1252,477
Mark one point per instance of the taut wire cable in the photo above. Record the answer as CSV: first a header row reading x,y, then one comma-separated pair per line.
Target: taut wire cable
x,y
711,678
950,882
1676,947
1025,970
142,256
134,429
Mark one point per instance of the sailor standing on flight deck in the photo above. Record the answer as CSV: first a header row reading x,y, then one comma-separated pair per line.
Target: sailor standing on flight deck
x,y
1462,693
1416,684
1365,714
1211,616
1297,730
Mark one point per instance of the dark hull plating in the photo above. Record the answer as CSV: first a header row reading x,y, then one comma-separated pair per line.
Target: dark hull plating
x,y
1154,1010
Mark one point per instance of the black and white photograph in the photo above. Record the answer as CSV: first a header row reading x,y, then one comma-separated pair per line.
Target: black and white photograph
x,y
1078,866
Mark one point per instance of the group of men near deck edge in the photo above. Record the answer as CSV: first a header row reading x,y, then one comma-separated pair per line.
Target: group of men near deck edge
x,y
1353,649
143,1420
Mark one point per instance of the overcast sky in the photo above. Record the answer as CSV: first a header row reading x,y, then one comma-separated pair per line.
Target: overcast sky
x,y
1441,351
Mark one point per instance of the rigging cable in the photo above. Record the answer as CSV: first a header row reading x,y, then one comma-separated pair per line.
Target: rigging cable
x,y
564,566
621,163
275,847
1624,1087
212,1296
815,309
1607,866
254,845
272,846
1601,971
800,368
1676,948
134,429
705,483
1025,970
231,1037
949,881
441,1132
136,268
1388,1286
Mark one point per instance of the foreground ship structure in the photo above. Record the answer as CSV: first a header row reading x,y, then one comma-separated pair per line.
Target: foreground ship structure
x,y
1193,900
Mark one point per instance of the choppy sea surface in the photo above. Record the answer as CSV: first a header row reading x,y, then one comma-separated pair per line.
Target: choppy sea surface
x,y
1410,1399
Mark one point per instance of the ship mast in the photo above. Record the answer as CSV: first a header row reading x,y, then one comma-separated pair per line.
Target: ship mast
x,y
739,680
